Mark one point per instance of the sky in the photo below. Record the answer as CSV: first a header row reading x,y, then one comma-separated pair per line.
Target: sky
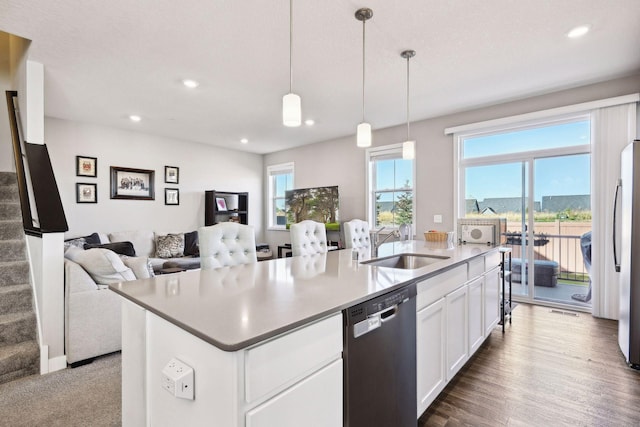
x,y
553,176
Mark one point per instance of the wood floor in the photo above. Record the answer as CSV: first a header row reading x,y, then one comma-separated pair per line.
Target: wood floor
x,y
547,369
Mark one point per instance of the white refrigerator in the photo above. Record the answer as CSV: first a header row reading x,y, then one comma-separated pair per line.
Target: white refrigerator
x,y
626,251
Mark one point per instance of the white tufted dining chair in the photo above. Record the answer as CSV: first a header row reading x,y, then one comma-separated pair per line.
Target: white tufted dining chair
x,y
356,234
226,243
308,238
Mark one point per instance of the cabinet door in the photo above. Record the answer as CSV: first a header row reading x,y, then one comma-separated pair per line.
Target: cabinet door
x,y
316,400
476,313
457,330
491,300
431,353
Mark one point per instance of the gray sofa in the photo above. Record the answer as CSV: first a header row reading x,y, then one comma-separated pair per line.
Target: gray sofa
x,y
92,311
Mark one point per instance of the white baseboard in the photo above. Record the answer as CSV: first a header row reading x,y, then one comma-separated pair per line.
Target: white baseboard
x,y
44,359
58,363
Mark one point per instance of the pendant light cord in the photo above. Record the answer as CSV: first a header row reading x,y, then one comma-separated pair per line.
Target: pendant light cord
x,y
363,42
290,46
408,128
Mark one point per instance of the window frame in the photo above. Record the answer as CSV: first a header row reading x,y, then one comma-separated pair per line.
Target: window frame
x,y
460,163
272,172
391,151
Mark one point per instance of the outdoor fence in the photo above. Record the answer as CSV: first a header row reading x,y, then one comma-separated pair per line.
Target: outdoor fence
x,y
561,248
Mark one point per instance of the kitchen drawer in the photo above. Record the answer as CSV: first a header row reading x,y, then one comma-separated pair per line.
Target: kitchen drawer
x,y
316,400
476,267
289,358
434,288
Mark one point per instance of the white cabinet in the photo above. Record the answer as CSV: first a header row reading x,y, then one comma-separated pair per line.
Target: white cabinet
x,y
457,332
491,300
476,291
431,353
456,311
301,405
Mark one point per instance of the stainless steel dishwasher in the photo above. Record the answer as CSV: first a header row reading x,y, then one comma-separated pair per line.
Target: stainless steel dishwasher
x,y
380,361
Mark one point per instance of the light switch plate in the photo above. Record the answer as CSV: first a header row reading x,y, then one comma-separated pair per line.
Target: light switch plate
x,y
437,219
177,379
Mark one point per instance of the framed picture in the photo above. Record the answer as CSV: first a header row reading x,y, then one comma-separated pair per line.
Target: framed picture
x,y
133,184
221,203
86,166
171,174
171,196
86,193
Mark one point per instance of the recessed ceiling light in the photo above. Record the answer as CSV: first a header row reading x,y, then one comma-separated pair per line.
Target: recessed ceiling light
x,y
135,118
309,122
190,83
244,140
578,31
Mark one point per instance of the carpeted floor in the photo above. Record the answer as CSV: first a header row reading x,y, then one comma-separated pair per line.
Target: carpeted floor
x,y
89,395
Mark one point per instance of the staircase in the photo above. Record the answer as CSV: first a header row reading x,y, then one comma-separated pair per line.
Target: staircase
x,y
19,350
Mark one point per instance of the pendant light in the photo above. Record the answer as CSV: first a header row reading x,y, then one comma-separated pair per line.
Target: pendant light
x,y
363,137
409,146
291,104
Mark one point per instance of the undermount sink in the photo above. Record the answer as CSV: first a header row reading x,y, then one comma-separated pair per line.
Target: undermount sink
x,y
406,261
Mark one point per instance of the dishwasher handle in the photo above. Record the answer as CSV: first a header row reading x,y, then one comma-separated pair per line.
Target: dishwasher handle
x,y
375,320
388,314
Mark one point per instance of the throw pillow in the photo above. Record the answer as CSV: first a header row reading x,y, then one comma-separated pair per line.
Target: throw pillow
x,y
170,246
140,266
103,265
191,246
79,242
122,248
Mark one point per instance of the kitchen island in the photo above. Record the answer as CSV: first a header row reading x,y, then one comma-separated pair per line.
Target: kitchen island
x,y
265,340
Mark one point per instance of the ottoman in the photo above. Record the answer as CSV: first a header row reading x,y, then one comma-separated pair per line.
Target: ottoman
x,y
545,274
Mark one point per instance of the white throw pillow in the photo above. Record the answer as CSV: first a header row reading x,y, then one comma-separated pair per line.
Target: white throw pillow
x,y
103,265
140,266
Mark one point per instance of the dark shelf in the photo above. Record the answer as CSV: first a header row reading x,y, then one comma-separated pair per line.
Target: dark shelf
x,y
213,214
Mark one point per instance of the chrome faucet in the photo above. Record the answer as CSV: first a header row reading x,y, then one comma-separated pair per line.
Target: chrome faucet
x,y
375,244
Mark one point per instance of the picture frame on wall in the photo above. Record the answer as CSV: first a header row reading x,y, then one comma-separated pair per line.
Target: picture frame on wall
x,y
221,204
171,196
132,184
171,174
87,166
86,192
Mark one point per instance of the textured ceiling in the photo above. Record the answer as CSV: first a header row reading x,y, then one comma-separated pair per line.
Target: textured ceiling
x,y
105,60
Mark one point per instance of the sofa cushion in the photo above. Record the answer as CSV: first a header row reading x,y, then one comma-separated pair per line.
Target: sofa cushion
x,y
170,246
103,265
79,242
143,241
122,248
191,246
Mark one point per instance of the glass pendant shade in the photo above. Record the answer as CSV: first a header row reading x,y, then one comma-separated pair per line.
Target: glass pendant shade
x,y
291,110
408,150
363,138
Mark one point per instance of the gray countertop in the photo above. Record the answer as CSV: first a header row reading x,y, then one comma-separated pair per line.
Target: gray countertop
x,y
235,307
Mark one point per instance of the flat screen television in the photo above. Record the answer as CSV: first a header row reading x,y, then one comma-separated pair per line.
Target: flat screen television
x,y
318,204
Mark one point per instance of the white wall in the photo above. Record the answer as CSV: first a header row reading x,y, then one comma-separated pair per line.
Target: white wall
x,y
340,162
202,167
6,152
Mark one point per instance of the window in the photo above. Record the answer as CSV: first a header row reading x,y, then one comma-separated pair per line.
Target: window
x,y
390,196
280,179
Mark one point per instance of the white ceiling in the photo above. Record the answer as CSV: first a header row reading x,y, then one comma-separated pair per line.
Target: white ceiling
x,y
105,60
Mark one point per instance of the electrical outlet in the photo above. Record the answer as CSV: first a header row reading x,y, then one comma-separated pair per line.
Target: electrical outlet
x,y
437,219
178,379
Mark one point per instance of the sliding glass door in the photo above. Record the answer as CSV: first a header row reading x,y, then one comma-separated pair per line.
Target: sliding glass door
x,y
538,179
